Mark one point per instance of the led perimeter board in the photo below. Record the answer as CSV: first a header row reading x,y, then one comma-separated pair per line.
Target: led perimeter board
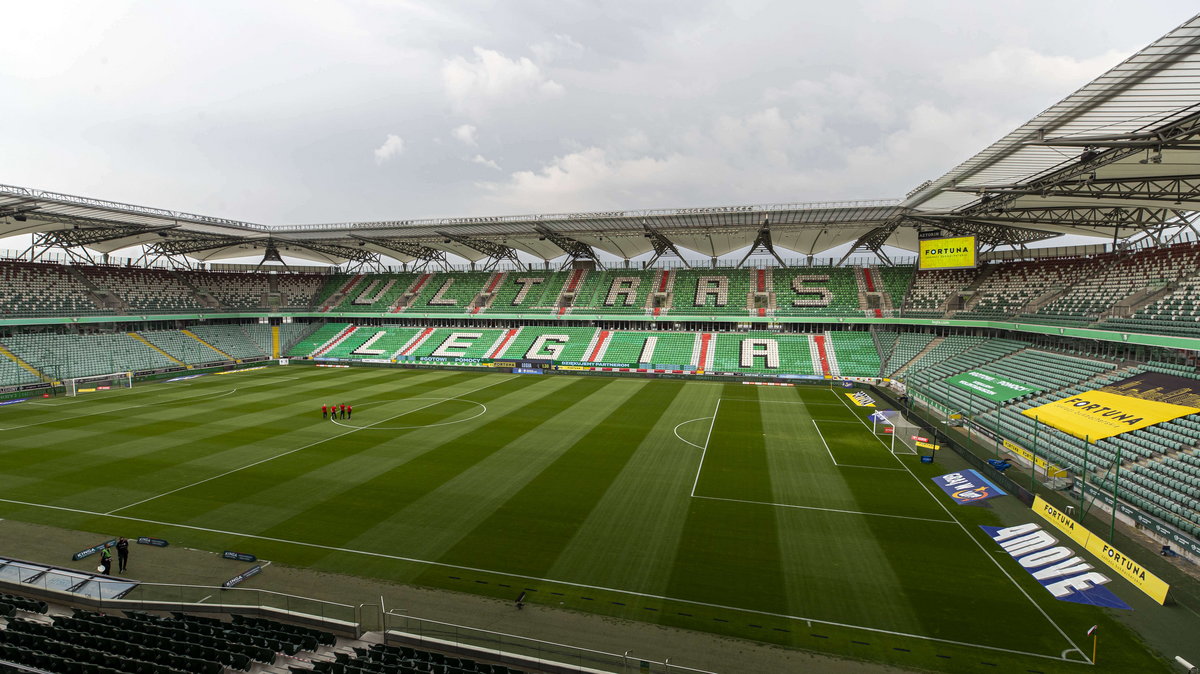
x,y
958,252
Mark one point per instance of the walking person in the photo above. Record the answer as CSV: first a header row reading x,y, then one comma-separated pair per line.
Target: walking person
x,y
122,554
349,411
106,561
343,411
323,412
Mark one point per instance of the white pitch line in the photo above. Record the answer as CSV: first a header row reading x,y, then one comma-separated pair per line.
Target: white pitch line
x,y
704,452
977,543
822,436
118,409
831,510
293,451
676,431
602,588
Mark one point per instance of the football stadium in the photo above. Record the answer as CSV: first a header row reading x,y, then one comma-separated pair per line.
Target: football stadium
x,y
678,440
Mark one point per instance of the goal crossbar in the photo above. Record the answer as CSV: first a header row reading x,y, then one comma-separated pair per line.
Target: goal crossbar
x,y
97,382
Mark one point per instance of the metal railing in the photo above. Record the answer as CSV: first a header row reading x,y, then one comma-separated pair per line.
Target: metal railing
x,y
511,648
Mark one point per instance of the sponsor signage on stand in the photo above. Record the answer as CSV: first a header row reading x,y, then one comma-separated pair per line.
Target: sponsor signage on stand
x,y
1129,569
1057,568
1128,405
994,387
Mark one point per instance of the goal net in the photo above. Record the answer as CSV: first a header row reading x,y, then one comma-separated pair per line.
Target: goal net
x,y
98,382
898,433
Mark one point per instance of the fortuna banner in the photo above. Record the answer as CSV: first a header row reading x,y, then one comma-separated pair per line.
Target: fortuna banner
x,y
1094,415
1130,570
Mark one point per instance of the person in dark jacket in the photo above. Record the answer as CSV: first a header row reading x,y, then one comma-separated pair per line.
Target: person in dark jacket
x,y
122,554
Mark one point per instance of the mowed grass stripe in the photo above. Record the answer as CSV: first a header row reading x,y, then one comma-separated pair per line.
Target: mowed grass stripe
x,y
735,461
832,545
631,537
169,446
350,504
434,524
530,530
263,494
729,552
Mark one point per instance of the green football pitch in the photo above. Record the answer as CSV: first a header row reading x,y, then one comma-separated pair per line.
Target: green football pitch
x,y
766,513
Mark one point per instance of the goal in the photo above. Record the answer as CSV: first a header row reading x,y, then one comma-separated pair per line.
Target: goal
x,y
98,382
900,434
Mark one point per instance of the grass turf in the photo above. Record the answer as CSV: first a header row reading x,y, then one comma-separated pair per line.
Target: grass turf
x,y
764,513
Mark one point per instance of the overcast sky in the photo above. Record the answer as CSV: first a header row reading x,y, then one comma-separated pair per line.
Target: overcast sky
x,y
295,112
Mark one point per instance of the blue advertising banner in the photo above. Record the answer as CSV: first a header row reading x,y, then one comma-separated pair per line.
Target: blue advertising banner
x,y
967,486
1057,568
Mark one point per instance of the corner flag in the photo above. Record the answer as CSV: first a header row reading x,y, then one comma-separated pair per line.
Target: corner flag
x,y
1093,630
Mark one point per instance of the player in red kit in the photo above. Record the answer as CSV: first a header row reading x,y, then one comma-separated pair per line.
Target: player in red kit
x,y
324,411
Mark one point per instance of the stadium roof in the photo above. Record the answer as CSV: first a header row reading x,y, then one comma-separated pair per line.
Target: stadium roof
x,y
1113,159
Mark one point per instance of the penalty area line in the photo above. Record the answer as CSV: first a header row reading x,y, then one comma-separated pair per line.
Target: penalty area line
x,y
633,593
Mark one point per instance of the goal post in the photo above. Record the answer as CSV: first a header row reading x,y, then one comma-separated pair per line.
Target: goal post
x,y
97,382
898,433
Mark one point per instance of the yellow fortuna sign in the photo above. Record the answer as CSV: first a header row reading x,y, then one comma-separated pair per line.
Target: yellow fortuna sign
x,y
1130,570
1093,415
1050,469
947,253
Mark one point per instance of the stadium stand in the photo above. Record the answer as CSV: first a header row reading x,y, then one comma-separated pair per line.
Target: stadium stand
x,y
932,290
817,291
73,355
450,293
712,291
232,290
298,291
457,343
139,289
1005,290
1122,278
316,339
896,281
28,289
1178,313
906,346
367,343
387,659
231,339
751,352
182,347
574,343
667,348
855,353
522,292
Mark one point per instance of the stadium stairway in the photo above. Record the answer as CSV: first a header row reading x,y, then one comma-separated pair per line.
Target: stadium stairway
x,y
147,342
196,337
822,355
22,364
340,294
410,294
908,349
